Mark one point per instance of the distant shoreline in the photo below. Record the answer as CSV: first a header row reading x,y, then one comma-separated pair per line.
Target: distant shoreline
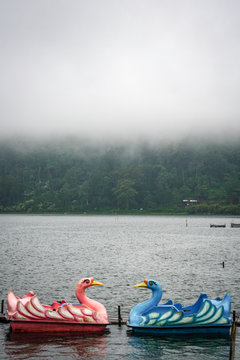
x,y
140,213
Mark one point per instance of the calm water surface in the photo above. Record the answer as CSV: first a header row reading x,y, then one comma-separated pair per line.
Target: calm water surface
x,y
49,254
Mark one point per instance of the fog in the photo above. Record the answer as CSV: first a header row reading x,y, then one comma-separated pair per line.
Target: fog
x,y
124,69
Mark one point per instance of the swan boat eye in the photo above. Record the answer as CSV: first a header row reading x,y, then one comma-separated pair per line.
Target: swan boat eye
x,y
87,281
151,283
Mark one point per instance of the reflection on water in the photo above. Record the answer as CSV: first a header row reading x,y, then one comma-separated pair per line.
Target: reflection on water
x,y
26,346
119,343
180,348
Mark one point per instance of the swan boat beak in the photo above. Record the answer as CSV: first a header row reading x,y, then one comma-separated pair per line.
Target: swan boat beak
x,y
96,283
143,284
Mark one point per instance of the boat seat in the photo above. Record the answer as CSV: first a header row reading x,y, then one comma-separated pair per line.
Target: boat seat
x,y
64,304
178,306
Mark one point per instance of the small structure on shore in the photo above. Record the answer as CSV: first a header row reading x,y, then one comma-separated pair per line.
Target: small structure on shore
x,y
189,202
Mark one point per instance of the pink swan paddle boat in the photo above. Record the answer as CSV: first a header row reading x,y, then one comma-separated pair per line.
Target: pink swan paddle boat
x,y
27,314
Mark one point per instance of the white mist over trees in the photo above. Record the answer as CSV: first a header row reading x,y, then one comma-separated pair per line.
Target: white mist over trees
x,y
78,177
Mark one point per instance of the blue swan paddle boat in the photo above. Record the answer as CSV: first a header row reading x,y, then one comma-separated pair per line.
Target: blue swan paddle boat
x,y
206,316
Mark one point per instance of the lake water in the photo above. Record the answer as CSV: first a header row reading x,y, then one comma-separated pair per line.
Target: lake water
x,y
49,254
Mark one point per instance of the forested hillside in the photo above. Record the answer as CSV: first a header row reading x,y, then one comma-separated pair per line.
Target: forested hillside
x,y
84,178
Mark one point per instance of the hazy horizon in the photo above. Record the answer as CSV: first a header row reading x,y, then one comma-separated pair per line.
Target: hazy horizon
x,y
126,70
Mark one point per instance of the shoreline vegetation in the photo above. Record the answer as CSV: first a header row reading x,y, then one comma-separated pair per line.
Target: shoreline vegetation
x,y
203,210
80,177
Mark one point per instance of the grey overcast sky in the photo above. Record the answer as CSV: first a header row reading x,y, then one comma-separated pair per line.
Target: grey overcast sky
x,y
110,68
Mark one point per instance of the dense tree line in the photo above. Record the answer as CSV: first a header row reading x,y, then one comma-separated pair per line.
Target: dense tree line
x,y
81,177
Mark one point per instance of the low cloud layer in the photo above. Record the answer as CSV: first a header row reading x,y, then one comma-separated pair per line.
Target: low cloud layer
x,y
112,68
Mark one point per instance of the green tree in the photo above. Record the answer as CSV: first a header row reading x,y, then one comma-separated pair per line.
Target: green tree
x,y
125,194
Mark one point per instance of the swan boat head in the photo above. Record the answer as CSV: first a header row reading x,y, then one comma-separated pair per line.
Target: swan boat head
x,y
138,311
85,283
94,305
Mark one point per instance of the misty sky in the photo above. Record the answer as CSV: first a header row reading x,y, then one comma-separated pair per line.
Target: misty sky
x,y
119,67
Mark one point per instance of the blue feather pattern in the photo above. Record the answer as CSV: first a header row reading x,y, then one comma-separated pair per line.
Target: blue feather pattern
x,y
205,312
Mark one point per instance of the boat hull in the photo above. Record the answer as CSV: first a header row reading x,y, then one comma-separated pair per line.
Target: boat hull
x,y
174,330
218,226
55,327
235,225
